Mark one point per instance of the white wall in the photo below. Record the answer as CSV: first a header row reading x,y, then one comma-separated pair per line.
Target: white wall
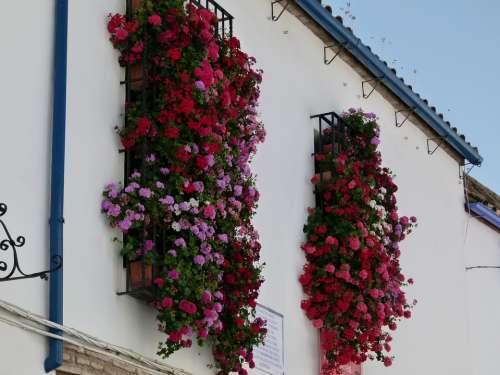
x,y
296,85
483,288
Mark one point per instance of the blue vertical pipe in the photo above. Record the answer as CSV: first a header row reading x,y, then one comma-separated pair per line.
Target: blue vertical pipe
x,y
55,357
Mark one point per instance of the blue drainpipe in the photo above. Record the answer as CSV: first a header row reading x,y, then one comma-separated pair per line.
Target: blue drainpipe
x,y
55,358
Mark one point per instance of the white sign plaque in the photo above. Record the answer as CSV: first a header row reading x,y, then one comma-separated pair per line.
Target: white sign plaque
x,y
269,357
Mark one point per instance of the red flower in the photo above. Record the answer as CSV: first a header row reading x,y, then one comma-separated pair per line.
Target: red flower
x,y
143,126
171,132
154,20
201,162
114,22
186,106
121,34
188,307
174,54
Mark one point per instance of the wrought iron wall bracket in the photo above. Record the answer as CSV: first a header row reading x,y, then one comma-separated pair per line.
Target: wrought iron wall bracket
x,y
464,170
430,149
369,83
283,8
14,272
340,48
408,112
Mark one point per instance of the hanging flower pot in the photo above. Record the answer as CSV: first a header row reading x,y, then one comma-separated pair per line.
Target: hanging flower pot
x,y
141,274
136,4
135,72
325,176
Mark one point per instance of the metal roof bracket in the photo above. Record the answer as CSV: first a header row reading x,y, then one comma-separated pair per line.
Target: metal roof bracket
x,y
408,112
369,83
284,7
432,149
340,48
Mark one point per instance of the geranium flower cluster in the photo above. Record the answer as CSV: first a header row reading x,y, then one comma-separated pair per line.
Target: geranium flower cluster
x,y
188,205
352,277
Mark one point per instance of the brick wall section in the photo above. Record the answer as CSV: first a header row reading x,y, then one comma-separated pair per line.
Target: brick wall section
x,y
79,361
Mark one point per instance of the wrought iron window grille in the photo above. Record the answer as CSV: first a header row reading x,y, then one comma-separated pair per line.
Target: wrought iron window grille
x,y
14,272
331,136
225,19
140,275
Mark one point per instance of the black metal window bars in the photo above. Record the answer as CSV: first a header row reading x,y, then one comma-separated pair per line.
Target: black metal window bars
x,y
331,136
139,274
225,19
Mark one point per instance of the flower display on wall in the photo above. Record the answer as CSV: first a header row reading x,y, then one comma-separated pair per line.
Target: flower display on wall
x,y
352,277
188,205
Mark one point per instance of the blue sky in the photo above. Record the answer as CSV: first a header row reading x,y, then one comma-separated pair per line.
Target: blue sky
x,y
449,51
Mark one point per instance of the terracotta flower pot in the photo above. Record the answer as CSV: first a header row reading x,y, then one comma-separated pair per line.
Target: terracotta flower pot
x,y
325,176
136,4
135,72
141,275
328,148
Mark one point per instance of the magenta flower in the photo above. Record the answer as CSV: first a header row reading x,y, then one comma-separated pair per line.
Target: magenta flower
x,y
167,302
154,20
188,307
173,274
209,212
206,296
148,245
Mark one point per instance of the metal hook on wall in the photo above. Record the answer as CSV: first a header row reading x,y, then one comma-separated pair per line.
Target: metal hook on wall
x,y
284,7
430,149
340,48
408,112
368,83
13,244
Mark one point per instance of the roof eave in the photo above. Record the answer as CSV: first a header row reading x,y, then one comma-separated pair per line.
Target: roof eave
x,y
376,67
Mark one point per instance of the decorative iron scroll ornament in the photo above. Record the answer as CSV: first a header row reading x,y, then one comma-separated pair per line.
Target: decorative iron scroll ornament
x,y
8,273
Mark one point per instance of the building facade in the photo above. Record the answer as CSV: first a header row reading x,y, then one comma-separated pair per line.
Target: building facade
x,y
452,330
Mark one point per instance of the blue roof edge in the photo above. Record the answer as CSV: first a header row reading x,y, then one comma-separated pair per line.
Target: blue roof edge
x,y
485,213
374,65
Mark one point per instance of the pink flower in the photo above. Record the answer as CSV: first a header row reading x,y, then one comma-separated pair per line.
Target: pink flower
x,y
173,274
351,185
354,243
362,307
209,212
148,245
121,34
317,323
394,216
203,333
166,302
206,296
375,293
188,307
329,240
213,51
330,268
154,20
159,282
363,274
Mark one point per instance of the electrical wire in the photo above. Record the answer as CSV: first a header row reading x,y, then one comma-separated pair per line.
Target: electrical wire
x,y
479,267
85,341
